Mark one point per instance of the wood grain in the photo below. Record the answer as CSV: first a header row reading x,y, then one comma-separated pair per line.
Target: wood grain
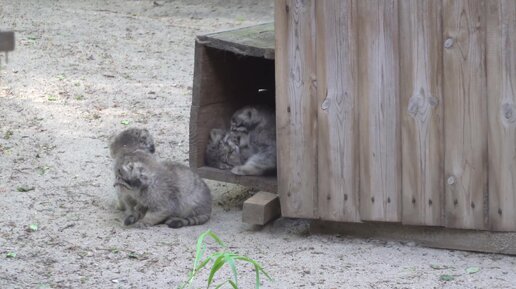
x,y
501,87
378,87
265,183
256,41
421,112
296,112
261,208
465,103
435,237
337,111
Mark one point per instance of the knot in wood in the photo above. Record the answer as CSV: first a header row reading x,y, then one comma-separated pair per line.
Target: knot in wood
x,y
420,106
451,180
326,104
507,111
448,43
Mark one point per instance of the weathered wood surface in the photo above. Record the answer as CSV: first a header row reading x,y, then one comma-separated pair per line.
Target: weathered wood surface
x,y
378,87
501,91
7,42
421,112
224,82
257,41
337,110
296,112
470,240
465,102
265,183
261,208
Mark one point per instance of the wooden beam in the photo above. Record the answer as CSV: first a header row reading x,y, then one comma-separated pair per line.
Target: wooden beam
x,y
501,98
337,123
465,114
261,208
378,105
422,123
296,107
267,183
469,240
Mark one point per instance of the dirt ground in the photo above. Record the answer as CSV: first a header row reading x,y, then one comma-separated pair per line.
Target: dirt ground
x,y
83,68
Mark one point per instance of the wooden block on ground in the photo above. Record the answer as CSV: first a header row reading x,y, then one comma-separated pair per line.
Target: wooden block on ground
x,y
261,208
6,41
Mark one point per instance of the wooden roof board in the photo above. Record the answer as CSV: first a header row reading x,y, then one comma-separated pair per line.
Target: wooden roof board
x,y
257,41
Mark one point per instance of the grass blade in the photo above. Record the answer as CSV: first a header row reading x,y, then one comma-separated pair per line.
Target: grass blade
x,y
219,262
229,259
233,284
216,238
200,247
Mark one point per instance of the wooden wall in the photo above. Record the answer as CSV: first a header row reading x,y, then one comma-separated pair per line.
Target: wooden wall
x,y
397,111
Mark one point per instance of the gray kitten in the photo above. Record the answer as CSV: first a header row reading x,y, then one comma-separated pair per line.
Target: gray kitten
x,y
165,192
253,128
137,172
222,151
128,141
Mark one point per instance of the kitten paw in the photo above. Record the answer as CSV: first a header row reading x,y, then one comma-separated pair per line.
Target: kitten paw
x,y
237,171
130,220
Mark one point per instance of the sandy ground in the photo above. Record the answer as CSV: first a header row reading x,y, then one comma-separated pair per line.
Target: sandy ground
x,y
80,69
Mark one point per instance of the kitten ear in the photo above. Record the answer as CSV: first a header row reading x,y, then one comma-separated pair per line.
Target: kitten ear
x,y
216,134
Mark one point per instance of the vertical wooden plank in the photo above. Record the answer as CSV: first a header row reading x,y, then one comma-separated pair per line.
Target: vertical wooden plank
x,y
501,87
378,87
421,112
338,116
465,112
296,111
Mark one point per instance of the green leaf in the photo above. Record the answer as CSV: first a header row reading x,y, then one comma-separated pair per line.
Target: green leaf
x,y
10,255
61,77
25,189
52,98
132,255
8,134
446,277
79,97
472,270
125,122
228,258
219,262
233,284
33,227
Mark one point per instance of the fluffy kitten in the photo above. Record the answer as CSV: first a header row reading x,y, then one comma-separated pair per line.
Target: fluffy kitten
x,y
254,129
222,151
128,141
165,192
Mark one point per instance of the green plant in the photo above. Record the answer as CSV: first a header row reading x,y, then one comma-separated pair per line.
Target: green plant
x,y
218,260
